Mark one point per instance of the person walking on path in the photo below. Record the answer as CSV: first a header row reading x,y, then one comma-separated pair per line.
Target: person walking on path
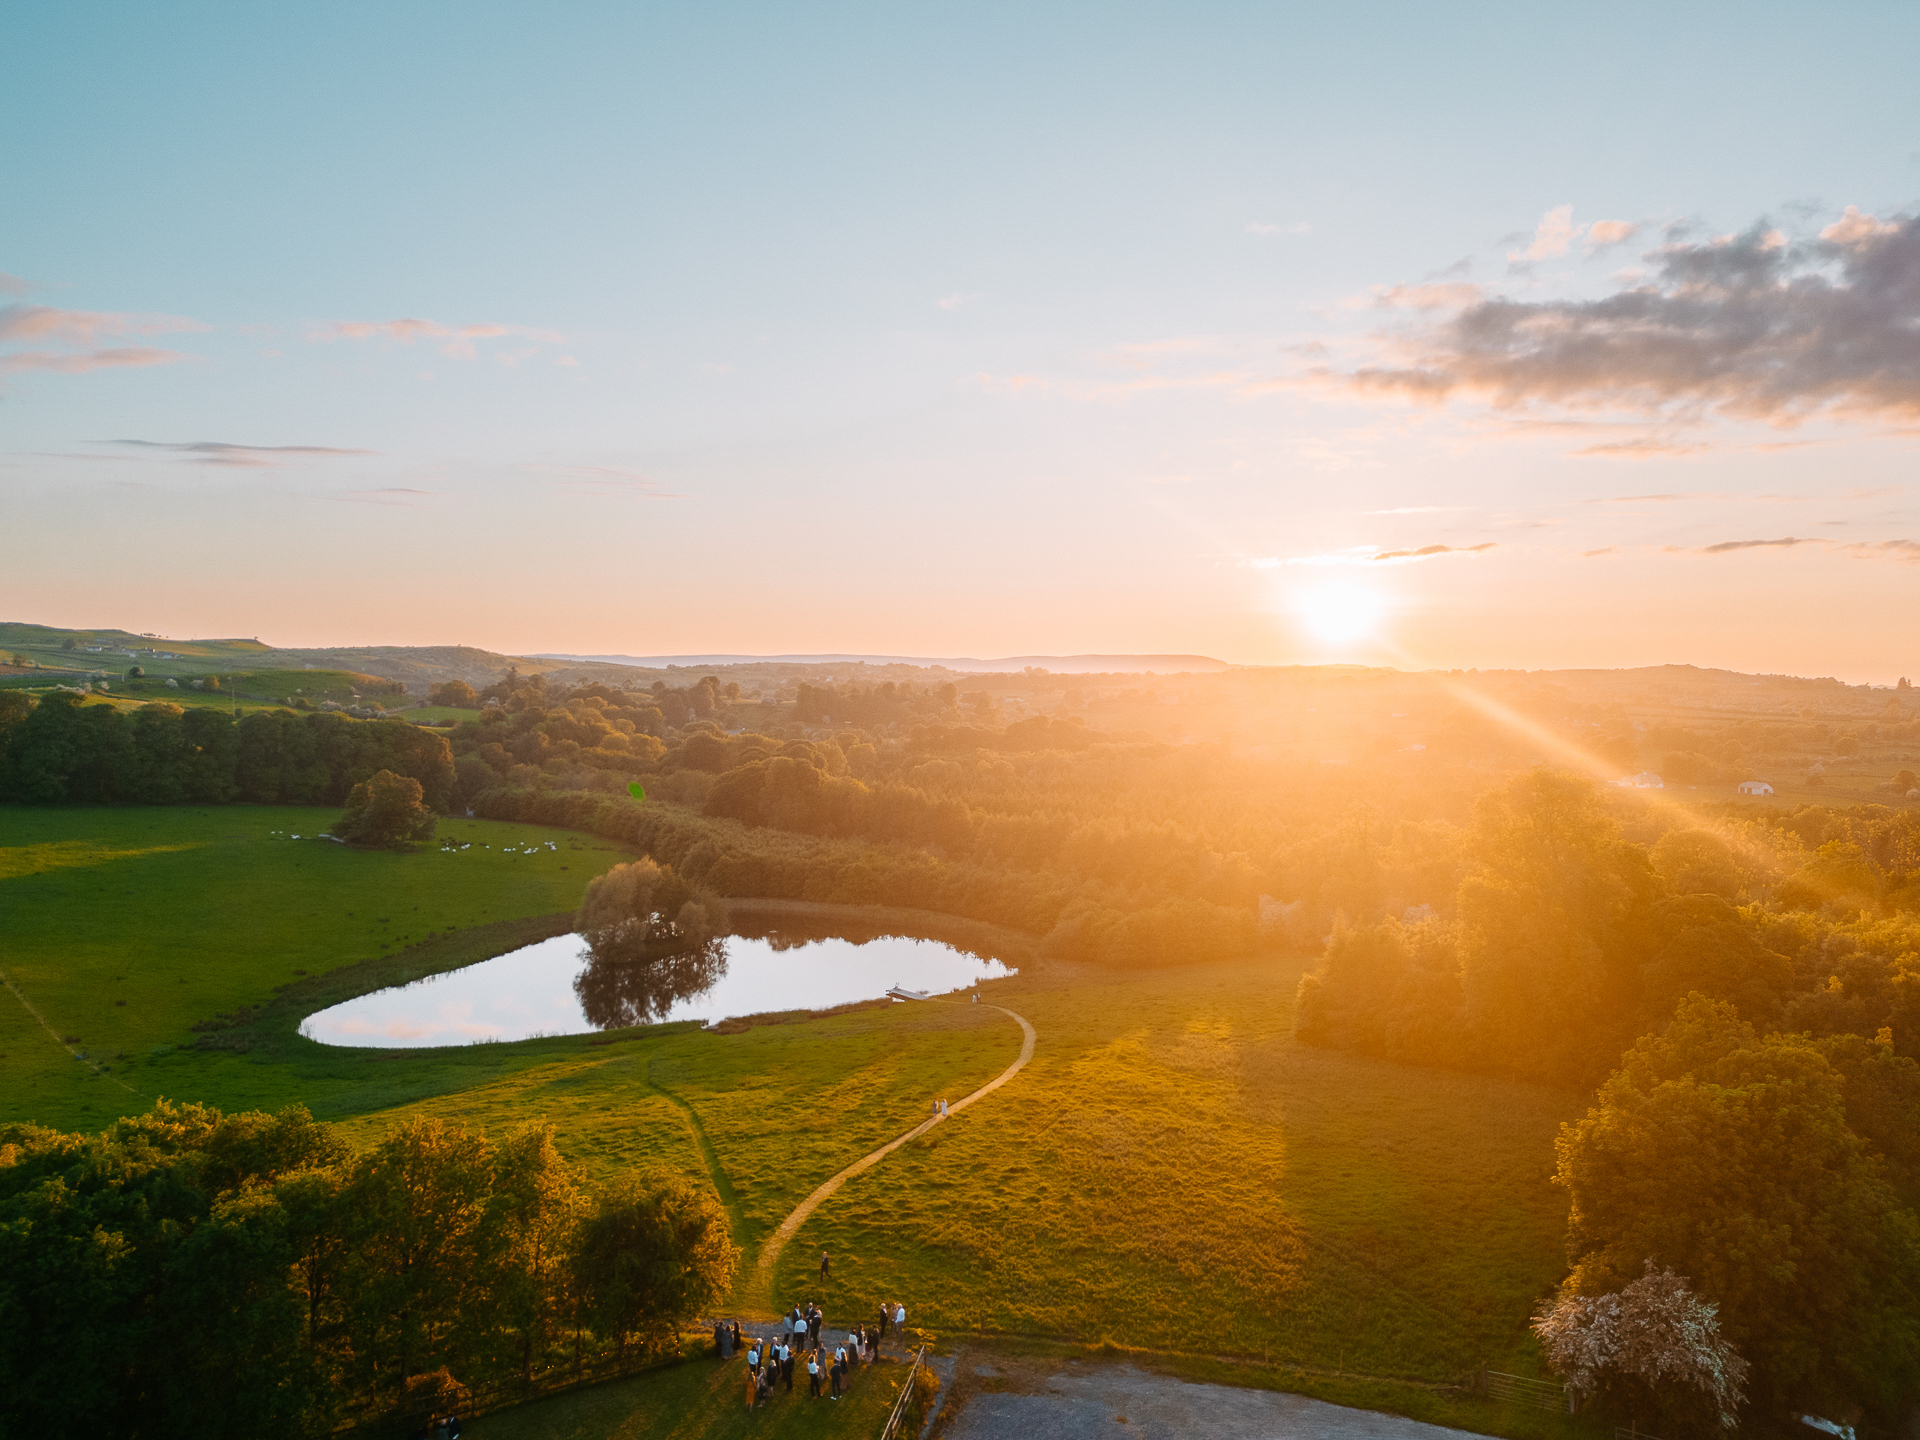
x,y
826,1265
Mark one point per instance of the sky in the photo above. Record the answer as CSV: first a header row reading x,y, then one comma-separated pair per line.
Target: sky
x,y
1432,336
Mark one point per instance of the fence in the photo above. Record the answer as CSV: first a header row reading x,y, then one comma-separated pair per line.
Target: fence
x,y
904,1400
1541,1394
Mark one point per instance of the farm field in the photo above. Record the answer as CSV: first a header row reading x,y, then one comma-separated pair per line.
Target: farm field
x,y
1171,1172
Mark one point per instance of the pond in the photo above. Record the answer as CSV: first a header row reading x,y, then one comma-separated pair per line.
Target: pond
x,y
556,987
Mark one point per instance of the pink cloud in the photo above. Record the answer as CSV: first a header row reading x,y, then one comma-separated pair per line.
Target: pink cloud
x,y
78,336
459,339
66,364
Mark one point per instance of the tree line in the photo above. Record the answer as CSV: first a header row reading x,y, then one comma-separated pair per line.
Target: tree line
x,y
189,1273
61,751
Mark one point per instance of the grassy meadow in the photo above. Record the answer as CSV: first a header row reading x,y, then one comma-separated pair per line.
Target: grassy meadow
x,y
1171,1173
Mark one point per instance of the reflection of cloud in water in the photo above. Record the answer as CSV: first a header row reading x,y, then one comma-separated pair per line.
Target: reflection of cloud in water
x,y
619,989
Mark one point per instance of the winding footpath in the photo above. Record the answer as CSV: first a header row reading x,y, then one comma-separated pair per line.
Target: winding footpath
x,y
762,1282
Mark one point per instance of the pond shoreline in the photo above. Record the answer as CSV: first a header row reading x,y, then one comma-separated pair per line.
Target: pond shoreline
x,y
447,955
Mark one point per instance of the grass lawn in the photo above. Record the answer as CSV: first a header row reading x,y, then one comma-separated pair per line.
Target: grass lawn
x,y
701,1399
1171,1172
125,927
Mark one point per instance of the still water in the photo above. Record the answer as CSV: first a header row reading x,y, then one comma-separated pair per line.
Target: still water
x,y
555,987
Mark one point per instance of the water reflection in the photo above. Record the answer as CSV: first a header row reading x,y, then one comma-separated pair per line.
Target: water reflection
x,y
623,984
574,983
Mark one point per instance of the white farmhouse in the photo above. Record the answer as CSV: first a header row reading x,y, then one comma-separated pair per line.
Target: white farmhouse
x,y
1754,787
1645,780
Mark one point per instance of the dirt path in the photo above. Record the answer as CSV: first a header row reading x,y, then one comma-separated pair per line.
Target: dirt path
x,y
759,1287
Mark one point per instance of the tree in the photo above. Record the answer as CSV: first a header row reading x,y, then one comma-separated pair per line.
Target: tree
x,y
654,1253
137,672
1655,1331
1553,924
385,811
70,645
1728,1158
417,1207
539,1207
1695,862
457,694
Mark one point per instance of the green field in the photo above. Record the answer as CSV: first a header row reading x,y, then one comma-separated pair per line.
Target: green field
x,y
1171,1173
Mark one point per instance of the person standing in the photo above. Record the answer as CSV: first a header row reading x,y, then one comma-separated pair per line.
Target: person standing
x,y
826,1265
886,1314
753,1387
736,1339
900,1321
813,1376
873,1346
786,1367
814,1317
838,1371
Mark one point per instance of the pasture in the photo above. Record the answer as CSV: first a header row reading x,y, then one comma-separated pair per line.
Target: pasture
x,y
1171,1174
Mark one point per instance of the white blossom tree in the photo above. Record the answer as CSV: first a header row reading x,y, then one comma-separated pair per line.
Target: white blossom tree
x,y
1655,1329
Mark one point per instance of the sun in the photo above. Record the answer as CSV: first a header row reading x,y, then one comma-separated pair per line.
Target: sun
x,y
1340,613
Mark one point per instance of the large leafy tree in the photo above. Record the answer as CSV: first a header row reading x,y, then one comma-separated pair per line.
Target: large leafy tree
x,y
1728,1158
385,810
654,1252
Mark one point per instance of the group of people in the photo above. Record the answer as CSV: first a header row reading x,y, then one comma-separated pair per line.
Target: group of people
x,y
795,1342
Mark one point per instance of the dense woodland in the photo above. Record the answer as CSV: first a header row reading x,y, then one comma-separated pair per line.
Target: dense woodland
x,y
188,1273
1741,983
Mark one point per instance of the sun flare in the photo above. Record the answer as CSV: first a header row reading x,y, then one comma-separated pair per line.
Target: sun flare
x,y
1340,613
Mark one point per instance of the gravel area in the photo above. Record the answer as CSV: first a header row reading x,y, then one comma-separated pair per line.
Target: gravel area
x,y
1084,1402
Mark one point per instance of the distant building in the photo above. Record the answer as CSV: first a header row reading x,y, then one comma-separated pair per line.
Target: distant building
x,y
1645,780
1754,787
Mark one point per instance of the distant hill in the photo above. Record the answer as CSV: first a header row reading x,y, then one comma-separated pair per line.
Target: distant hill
x,y
1011,664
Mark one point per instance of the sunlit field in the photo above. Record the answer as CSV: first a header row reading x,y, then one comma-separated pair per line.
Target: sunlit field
x,y
1172,1173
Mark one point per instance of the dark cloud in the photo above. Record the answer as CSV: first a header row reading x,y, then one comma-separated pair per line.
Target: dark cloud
x,y
1754,325
252,457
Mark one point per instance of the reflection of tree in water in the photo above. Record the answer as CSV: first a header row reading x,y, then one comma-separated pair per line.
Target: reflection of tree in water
x,y
629,982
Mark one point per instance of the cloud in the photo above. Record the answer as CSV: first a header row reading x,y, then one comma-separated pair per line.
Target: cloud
x,y
1427,552
955,301
1643,448
1595,554
245,457
77,335
1448,296
13,285
1603,233
66,364
1728,546
459,338
1550,238
1751,326
1368,555
1299,227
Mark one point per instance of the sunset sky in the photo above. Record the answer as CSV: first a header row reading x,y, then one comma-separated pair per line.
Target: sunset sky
x,y
1416,335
